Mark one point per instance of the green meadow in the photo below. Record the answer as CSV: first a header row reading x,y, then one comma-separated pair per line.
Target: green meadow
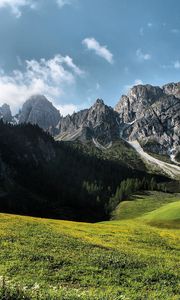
x,y
134,256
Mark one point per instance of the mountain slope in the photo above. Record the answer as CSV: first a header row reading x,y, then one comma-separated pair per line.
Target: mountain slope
x,y
43,177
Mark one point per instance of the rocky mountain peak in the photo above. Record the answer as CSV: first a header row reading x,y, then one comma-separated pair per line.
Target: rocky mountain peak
x,y
144,91
139,97
99,109
97,122
152,115
99,102
5,113
38,110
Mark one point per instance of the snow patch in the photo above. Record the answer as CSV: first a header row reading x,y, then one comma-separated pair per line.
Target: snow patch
x,y
131,123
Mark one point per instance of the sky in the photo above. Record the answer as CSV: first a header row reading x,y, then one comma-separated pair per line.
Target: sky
x,y
75,51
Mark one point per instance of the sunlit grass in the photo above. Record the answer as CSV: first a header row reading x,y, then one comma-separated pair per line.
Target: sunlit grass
x,y
51,259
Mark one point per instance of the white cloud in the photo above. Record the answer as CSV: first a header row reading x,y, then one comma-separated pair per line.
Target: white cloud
x,y
93,44
177,64
68,60
67,109
49,77
62,3
142,56
137,82
17,5
129,86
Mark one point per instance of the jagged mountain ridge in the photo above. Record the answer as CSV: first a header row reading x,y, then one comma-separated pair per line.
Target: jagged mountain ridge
x,y
149,114
99,122
152,116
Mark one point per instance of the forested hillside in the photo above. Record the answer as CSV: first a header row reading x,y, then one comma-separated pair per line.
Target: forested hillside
x,y
39,176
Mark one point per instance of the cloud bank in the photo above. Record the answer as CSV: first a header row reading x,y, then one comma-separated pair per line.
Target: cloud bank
x,y
49,77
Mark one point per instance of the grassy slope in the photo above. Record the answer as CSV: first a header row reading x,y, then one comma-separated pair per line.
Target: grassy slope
x,y
169,211
167,216
127,259
142,204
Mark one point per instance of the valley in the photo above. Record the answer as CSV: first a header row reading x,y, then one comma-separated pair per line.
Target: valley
x,y
89,150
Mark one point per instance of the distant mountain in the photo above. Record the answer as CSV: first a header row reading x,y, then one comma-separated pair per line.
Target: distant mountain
x,y
147,114
38,110
5,113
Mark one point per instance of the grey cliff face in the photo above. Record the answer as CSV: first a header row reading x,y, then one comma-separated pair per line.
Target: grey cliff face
x,y
100,122
38,110
140,97
152,115
172,89
5,113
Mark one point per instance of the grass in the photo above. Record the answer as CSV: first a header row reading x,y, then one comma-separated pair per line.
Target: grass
x,y
166,215
119,259
142,204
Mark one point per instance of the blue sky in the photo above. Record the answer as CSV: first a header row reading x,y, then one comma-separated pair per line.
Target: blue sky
x,y
75,51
